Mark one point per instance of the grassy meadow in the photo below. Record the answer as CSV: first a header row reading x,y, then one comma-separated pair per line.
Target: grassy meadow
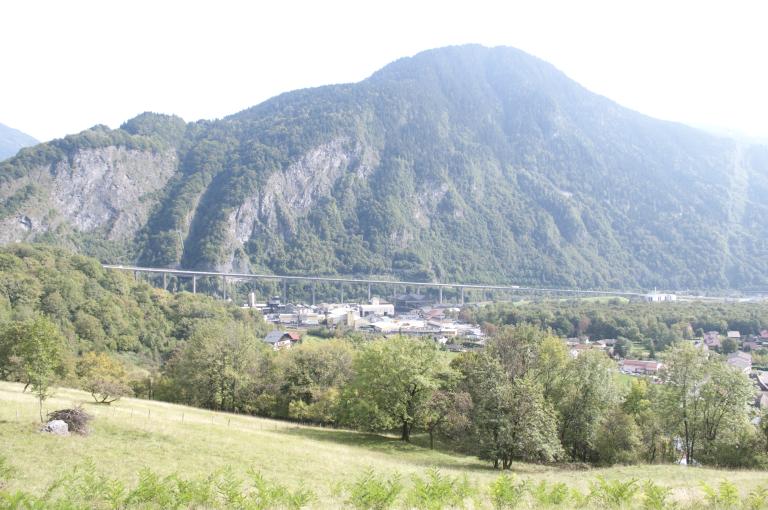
x,y
132,434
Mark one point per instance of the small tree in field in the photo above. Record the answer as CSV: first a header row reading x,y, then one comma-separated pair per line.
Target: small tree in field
x,y
104,377
37,350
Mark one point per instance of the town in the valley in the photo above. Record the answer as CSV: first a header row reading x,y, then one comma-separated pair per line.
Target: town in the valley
x,y
417,315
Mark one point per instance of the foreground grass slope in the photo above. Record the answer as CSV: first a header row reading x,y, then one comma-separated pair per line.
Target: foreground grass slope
x,y
133,434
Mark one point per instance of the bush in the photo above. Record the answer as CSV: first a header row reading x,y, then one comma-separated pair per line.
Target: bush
x,y
655,496
372,492
614,493
507,492
545,496
724,497
77,419
438,491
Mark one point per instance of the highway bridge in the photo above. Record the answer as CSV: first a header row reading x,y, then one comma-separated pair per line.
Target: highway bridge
x,y
460,288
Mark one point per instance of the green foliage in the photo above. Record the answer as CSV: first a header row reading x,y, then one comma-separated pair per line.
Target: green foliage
x,y
548,495
83,487
757,499
613,493
507,492
370,491
589,394
392,383
654,327
656,497
35,351
701,397
725,497
437,491
105,378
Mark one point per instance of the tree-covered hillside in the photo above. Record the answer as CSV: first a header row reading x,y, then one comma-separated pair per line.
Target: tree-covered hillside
x,y
463,163
101,310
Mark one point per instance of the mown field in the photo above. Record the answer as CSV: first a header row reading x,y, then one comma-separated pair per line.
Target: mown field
x,y
133,434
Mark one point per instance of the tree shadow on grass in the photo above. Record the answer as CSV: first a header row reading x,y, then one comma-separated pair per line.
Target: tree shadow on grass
x,y
409,453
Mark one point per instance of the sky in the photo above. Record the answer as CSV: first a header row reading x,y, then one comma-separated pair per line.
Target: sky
x,y
67,66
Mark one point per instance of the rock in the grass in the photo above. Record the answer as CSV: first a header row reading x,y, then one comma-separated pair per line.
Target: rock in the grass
x,y
57,427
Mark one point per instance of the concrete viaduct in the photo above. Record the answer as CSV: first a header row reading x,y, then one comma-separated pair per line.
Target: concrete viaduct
x,y
341,281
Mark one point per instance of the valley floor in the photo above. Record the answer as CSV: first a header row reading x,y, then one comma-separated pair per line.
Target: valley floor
x,y
132,434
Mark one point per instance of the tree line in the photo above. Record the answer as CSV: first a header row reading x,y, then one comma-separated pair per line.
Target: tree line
x,y
523,398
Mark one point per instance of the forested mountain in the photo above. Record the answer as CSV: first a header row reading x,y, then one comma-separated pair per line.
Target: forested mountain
x,y
463,163
11,140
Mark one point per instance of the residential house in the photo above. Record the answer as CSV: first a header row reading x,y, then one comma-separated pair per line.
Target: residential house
x,y
734,335
281,339
640,367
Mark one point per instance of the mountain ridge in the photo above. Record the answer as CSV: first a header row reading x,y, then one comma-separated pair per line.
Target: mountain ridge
x,y
11,140
466,162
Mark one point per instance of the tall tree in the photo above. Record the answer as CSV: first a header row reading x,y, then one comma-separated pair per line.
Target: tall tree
x,y
699,396
588,392
219,366
394,379
37,350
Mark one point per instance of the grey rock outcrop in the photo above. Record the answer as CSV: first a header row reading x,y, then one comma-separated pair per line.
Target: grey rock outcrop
x,y
56,427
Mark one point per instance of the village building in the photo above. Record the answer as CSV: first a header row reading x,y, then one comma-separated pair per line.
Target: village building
x,y
281,339
640,367
655,297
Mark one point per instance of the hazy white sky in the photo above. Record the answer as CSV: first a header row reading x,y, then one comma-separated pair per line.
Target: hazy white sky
x,y
67,65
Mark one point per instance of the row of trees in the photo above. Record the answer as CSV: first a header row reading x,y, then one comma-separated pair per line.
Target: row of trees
x,y
523,398
656,325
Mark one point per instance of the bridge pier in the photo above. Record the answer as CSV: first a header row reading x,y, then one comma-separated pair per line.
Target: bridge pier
x,y
285,291
224,286
440,295
341,286
194,285
165,281
314,285
462,297
369,292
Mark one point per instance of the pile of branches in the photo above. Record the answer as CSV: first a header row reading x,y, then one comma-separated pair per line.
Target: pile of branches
x,y
77,419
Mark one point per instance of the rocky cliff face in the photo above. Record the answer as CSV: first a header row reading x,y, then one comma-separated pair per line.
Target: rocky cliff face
x,y
108,190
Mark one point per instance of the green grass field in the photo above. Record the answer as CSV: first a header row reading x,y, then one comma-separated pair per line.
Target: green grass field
x,y
132,434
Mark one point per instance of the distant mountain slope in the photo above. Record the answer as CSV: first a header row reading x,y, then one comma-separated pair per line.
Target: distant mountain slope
x,y
462,163
11,140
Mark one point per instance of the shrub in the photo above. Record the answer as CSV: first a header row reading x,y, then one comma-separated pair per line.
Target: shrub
x,y
757,499
77,419
437,491
725,497
655,496
265,494
372,492
613,493
545,496
507,492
